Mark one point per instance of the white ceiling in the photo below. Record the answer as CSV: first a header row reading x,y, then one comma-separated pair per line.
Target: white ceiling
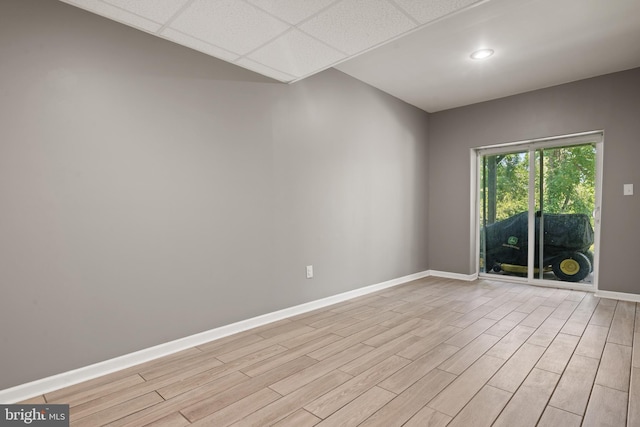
x,y
537,43
416,50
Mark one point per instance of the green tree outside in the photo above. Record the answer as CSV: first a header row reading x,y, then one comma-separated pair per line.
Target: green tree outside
x,y
569,182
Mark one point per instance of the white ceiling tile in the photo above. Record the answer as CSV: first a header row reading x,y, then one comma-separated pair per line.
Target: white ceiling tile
x,y
297,54
199,45
156,10
355,25
430,10
117,14
264,70
292,11
230,24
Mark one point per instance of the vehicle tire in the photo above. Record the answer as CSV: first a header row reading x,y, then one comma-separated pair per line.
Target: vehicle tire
x,y
589,255
571,267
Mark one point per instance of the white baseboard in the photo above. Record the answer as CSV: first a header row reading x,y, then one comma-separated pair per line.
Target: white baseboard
x,y
457,276
65,379
622,296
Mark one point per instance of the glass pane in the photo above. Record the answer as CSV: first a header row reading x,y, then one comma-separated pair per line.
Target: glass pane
x,y
504,200
564,212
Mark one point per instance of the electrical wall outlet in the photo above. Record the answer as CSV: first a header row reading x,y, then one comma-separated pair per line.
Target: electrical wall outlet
x,y
309,271
628,190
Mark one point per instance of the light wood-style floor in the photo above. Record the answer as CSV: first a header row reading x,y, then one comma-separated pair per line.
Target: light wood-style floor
x,y
433,352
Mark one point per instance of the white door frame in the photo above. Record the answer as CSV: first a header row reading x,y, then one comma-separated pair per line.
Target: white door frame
x,y
596,137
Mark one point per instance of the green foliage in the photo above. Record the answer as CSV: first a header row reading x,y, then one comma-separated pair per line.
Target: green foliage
x,y
569,179
569,182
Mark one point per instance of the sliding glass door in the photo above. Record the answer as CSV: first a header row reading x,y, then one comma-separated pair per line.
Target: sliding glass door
x,y
504,196
538,210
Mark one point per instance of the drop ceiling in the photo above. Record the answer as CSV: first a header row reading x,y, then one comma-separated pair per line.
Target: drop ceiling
x,y
416,50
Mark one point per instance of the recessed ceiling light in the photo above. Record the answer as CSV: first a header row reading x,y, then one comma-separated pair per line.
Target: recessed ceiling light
x,y
482,54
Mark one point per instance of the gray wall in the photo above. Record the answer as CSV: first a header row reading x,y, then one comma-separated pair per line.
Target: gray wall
x,y
610,102
150,192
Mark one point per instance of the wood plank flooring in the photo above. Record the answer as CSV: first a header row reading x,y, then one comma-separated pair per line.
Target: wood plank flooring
x,y
433,352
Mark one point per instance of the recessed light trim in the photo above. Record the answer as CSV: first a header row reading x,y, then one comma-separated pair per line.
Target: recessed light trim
x,y
482,54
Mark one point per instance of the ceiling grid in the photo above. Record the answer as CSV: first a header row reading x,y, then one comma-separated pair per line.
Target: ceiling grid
x,y
284,39
416,50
